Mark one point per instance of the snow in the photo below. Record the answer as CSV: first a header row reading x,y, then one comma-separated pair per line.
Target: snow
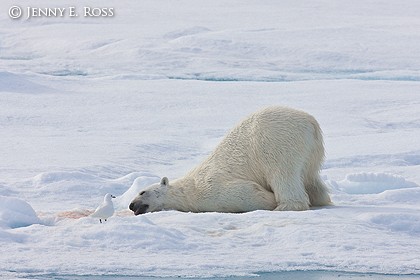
x,y
368,182
90,106
16,213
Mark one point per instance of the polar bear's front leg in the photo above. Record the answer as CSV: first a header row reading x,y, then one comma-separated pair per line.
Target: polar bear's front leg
x,y
237,196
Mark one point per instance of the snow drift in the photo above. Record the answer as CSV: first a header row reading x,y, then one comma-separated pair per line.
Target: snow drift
x,y
370,182
15,213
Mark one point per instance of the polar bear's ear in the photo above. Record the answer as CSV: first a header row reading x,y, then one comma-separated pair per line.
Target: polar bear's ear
x,y
164,181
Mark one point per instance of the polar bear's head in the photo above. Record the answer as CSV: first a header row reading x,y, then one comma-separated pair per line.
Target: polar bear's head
x,y
150,199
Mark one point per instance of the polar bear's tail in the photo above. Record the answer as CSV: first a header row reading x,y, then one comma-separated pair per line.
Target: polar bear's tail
x,y
314,185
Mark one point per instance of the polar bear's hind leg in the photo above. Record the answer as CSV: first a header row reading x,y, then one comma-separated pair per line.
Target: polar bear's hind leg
x,y
317,191
290,193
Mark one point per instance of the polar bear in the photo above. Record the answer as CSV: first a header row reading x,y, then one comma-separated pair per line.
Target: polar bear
x,y
269,161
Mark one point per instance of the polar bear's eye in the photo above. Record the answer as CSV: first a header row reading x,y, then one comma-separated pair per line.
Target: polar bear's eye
x,y
142,192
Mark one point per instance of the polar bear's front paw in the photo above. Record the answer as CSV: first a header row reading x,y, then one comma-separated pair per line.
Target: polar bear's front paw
x,y
292,206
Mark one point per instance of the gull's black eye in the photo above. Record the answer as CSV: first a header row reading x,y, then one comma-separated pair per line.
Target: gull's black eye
x,y
142,192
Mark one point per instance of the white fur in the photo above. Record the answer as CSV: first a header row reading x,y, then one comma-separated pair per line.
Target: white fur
x,y
270,161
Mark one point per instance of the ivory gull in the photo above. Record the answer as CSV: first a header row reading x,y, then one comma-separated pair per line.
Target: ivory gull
x,y
106,209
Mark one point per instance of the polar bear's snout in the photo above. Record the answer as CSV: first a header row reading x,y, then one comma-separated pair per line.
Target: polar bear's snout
x,y
151,199
138,208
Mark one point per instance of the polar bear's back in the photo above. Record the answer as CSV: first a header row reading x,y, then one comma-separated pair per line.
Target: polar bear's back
x,y
271,139
282,128
288,138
